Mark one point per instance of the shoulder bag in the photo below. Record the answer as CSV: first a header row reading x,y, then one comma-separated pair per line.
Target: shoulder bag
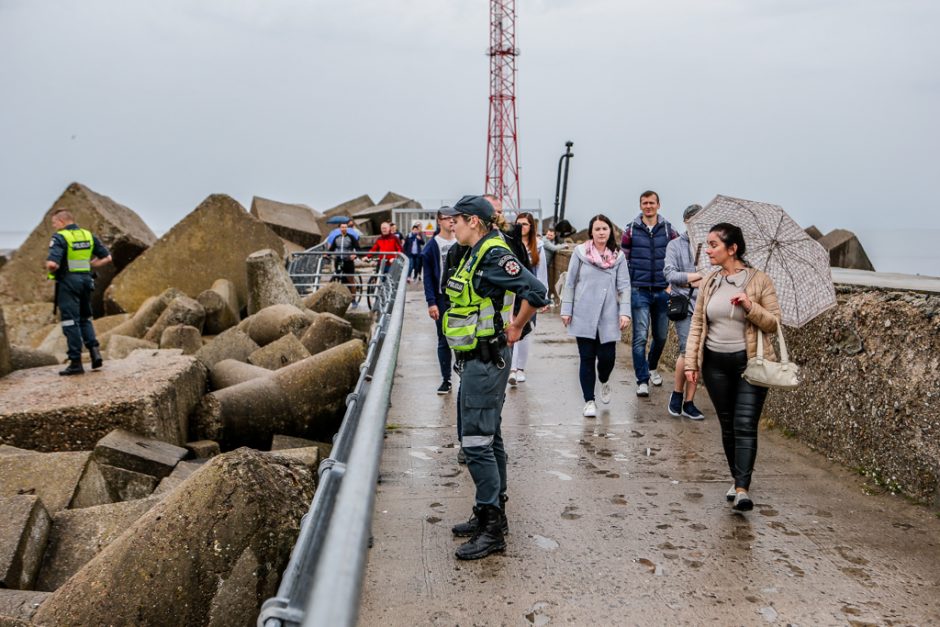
x,y
678,306
783,375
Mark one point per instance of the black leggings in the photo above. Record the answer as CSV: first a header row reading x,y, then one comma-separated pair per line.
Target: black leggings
x,y
738,404
591,352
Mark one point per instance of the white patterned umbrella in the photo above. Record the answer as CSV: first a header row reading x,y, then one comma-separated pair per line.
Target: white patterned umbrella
x,y
776,244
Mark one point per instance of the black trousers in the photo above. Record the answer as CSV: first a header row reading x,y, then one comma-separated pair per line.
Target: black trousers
x,y
739,405
595,355
74,302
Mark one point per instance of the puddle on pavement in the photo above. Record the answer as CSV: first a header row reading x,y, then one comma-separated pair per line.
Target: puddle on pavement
x,y
618,499
570,513
433,520
566,454
560,475
420,455
545,543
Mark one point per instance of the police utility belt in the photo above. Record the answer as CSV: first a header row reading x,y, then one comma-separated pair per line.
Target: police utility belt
x,y
487,351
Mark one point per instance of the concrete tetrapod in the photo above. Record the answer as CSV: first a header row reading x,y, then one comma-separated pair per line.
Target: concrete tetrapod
x,y
182,336
224,533
148,313
221,304
229,372
274,322
182,310
296,400
268,282
5,364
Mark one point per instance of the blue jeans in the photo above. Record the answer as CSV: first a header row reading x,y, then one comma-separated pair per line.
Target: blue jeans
x,y
648,306
74,302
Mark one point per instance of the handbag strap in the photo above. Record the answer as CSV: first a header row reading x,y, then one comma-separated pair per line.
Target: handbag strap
x,y
784,354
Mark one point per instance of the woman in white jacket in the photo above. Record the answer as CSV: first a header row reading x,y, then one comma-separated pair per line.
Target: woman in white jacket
x,y
537,265
595,306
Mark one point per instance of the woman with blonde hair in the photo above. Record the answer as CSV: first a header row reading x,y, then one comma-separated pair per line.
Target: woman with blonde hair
x,y
536,264
734,302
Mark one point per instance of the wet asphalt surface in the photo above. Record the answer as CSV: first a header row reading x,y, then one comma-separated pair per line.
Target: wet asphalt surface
x,y
622,519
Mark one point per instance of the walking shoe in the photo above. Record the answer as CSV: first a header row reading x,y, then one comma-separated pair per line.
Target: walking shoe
x,y
605,392
512,378
742,502
520,376
467,529
691,412
675,404
488,537
461,456
96,360
590,409
656,378
445,388
731,493
642,389
74,367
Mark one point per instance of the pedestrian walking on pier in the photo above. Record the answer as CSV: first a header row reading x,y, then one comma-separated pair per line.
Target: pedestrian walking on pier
x,y
74,253
413,245
385,247
475,328
644,244
684,281
595,306
434,260
735,301
534,263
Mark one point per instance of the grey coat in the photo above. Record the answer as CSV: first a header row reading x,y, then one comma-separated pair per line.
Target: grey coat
x,y
679,263
595,298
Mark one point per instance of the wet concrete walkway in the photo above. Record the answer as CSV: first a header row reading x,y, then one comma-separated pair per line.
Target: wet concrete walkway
x,y
622,520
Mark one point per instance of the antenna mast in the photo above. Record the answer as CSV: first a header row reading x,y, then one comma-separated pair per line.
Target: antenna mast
x,y
502,152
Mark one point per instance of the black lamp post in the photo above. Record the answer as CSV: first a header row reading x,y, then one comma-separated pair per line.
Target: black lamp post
x,y
566,159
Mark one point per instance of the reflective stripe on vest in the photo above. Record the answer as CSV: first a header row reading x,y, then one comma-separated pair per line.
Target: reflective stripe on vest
x,y
471,316
79,244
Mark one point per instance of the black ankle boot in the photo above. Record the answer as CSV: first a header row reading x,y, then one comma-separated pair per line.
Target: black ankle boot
x,y
489,536
467,529
74,367
96,359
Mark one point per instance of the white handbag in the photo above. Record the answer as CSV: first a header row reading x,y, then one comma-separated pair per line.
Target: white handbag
x,y
784,375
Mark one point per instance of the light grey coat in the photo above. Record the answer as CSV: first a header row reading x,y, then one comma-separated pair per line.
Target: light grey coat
x,y
679,264
595,298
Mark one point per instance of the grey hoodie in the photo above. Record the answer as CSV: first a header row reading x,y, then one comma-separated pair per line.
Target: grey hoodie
x,y
679,263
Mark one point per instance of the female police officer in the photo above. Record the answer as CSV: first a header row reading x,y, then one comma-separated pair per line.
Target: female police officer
x,y
476,329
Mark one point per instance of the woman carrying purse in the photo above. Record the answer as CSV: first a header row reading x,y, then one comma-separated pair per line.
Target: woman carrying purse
x,y
735,301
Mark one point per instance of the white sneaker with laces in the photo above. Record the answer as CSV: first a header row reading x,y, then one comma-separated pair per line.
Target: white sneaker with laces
x,y
590,409
520,376
513,378
642,389
605,392
731,493
656,378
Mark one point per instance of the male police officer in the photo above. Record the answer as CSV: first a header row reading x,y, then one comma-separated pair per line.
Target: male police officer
x,y
476,329
73,253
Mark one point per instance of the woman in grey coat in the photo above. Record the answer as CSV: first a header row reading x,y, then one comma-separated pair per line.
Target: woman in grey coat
x,y
595,306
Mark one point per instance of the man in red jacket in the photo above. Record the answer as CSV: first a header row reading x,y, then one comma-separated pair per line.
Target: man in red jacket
x,y
386,246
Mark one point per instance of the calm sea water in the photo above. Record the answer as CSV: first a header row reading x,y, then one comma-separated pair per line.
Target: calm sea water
x,y
908,251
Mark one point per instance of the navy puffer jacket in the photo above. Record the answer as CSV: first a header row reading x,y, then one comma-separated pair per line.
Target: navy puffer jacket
x,y
646,251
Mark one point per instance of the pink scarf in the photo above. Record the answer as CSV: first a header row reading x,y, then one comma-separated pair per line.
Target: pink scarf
x,y
602,258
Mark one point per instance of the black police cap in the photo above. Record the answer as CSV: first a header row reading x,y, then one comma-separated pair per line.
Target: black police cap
x,y
471,206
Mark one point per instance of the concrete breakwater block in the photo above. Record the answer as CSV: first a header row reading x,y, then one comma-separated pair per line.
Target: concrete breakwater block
x,y
296,400
181,473
53,477
119,228
18,606
326,331
24,320
149,392
268,282
5,365
333,298
120,346
274,322
220,303
209,553
148,313
181,310
283,352
77,535
124,449
232,344
210,243
203,449
182,336
229,372
22,357
24,529
845,250
294,222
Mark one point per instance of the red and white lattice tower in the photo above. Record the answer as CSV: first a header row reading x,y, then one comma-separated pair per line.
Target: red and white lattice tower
x,y
502,152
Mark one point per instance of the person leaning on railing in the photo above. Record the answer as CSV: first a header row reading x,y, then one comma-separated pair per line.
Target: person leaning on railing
x,y
386,247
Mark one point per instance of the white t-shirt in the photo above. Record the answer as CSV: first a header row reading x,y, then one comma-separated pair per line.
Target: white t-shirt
x,y
443,245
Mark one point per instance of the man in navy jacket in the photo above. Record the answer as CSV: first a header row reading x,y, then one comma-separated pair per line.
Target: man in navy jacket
x,y
644,244
433,261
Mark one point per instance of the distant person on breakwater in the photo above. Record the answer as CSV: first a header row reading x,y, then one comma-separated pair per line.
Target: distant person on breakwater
x,y
73,254
413,245
734,302
346,247
385,247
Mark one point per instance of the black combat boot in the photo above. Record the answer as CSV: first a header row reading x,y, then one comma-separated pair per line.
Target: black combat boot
x,y
96,359
488,537
74,367
467,529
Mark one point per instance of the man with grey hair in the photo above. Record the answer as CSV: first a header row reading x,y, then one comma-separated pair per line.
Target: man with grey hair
x,y
683,279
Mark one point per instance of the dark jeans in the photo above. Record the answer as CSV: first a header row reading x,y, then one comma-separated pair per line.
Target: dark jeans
x,y
443,350
648,306
74,302
738,404
593,353
414,265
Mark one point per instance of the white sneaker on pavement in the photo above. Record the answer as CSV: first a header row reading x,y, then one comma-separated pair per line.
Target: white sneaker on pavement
x,y
642,389
590,409
731,493
513,378
656,378
605,393
520,376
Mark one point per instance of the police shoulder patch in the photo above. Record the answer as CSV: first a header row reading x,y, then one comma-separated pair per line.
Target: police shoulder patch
x,y
52,242
512,266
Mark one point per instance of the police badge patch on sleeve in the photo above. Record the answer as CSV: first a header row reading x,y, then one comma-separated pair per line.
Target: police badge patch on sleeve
x,y
510,265
52,242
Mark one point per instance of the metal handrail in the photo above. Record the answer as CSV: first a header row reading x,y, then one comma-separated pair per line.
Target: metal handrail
x,y
323,579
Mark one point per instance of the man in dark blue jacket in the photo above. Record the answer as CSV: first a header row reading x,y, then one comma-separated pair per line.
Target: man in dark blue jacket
x,y
433,259
644,244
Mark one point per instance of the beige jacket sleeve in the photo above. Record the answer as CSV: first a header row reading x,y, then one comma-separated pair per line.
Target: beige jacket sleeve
x,y
765,309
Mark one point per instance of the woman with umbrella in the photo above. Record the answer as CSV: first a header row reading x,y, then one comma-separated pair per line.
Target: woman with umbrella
x,y
735,301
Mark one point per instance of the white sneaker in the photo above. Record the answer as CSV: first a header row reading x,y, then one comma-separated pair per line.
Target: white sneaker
x,y
605,393
642,389
520,376
742,502
590,409
656,378
731,493
513,377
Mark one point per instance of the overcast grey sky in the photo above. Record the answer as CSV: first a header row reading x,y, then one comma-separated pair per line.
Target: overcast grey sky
x,y
827,107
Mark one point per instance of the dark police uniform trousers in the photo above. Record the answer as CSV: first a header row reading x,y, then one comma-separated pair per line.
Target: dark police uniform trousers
x,y
483,384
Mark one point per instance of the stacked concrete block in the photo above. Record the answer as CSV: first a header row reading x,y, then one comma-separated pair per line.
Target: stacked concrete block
x,y
232,344
274,322
297,223
229,372
279,353
182,336
326,331
24,530
53,477
268,282
220,303
333,298
5,365
181,310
